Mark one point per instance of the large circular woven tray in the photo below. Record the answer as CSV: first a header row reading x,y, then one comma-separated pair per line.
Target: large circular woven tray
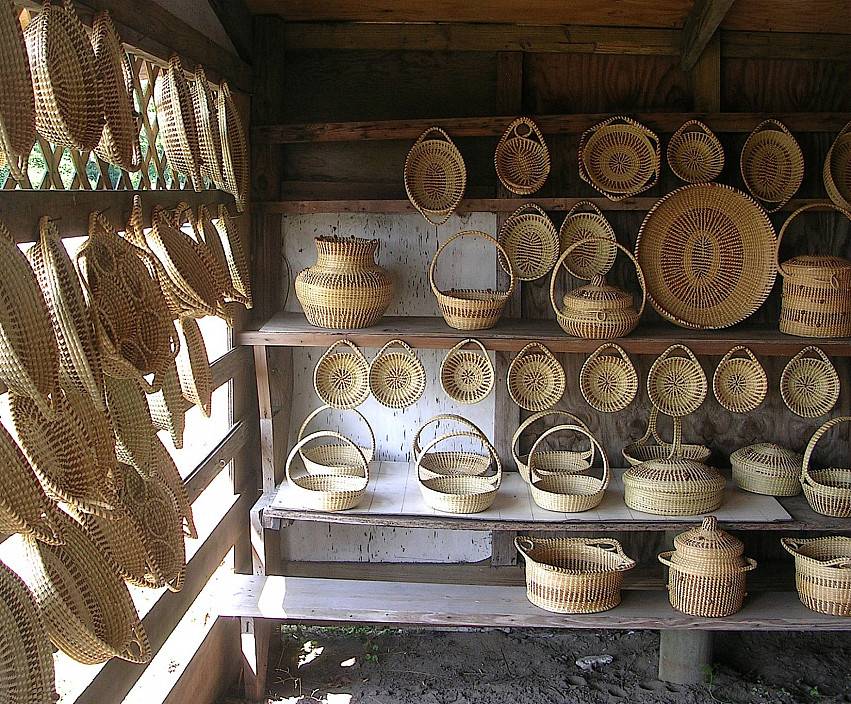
x,y
707,255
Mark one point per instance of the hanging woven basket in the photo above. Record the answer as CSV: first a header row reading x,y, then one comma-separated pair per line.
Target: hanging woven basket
x,y
550,460
536,379
739,382
168,407
809,383
397,379
207,123
235,254
467,376
234,148
828,490
595,257
837,169
193,366
695,154
608,382
521,159
341,378
435,176
176,120
772,164
531,241
17,101
676,383
335,457
452,462
170,477
131,419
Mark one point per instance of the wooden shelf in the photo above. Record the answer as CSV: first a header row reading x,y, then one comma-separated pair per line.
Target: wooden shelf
x,y
511,335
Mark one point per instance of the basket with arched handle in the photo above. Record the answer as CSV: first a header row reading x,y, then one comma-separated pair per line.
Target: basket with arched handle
x,y
521,159
596,257
642,449
822,572
341,379
435,176
809,383
828,490
335,457
695,154
550,460
451,462
531,240
397,378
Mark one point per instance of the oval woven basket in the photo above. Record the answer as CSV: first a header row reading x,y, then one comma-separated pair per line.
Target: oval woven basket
x,y
397,379
695,154
193,366
531,241
676,384
707,255
536,380
169,475
573,575
467,376
131,420
435,176
837,169
207,123
235,165
548,461
810,385
209,237
17,101
335,457
521,159
828,490
767,468
176,119
619,157
168,407
608,382
235,254
642,450
471,309
451,462
596,256
740,383
772,164
823,572
341,379
218,276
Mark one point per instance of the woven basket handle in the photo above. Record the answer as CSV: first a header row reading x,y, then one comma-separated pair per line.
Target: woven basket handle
x,y
619,351
583,206
338,343
811,445
595,445
436,419
531,345
528,207
744,349
613,546
326,407
811,349
750,563
515,440
822,205
138,650
324,434
398,343
524,128
435,129
524,545
475,233
794,545
496,479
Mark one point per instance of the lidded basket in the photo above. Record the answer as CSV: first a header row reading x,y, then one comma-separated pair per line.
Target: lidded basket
x,y
345,289
767,468
673,486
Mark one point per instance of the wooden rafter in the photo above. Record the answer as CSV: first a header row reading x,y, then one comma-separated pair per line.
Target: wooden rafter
x,y
237,22
700,25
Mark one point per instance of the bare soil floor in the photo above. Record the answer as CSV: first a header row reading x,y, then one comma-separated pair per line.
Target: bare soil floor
x,y
518,666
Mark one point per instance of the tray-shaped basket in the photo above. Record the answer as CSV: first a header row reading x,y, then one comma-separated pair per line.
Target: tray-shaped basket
x,y
176,119
132,424
471,309
397,379
809,383
536,379
828,490
193,366
740,383
642,449
435,176
608,382
695,154
573,575
459,492
328,491
235,254
586,222
235,166
451,462
676,383
823,572
207,123
531,240
168,407
211,243
673,487
335,457
550,461
521,159
467,376
772,164
619,157
572,491
767,468
17,101
168,473
707,252
837,169
341,378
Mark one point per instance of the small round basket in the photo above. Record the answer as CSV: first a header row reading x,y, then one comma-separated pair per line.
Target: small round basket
x,y
673,487
766,468
573,575
536,380
828,491
451,462
550,461
642,450
695,154
676,383
772,164
335,457
586,222
608,382
823,573
397,379
329,491
740,383
341,379
459,492
435,176
531,240
521,159
809,383
471,309
467,376
17,102
837,169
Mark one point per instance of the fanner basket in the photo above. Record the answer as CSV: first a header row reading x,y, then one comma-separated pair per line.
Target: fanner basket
x,y
823,572
772,164
695,154
435,176
467,376
837,169
521,159
549,461
335,457
531,240
177,122
456,461
536,379
828,490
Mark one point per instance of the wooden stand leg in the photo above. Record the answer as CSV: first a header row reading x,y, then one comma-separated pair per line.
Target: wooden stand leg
x,y
254,636
685,656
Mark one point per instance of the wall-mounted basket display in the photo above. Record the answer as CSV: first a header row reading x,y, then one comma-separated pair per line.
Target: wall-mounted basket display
x,y
739,382
531,241
536,379
176,118
695,154
467,376
341,378
435,176
809,383
608,382
837,169
772,164
521,159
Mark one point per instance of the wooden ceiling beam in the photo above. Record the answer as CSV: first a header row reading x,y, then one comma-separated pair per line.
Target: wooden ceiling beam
x,y
237,23
702,22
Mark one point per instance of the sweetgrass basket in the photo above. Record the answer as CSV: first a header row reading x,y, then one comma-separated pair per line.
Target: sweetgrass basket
x,y
739,382
17,102
823,572
168,407
642,449
193,366
676,383
397,379
435,176
207,123
212,244
235,254
608,382
695,154
536,379
176,119
335,457
673,486
596,256
471,309
132,424
521,159
573,575
451,462
531,241
828,490
467,376
809,383
169,475
767,468
837,169
235,166
772,164
548,461
341,378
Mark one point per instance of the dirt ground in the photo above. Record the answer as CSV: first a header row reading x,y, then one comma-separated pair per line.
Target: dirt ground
x,y
519,666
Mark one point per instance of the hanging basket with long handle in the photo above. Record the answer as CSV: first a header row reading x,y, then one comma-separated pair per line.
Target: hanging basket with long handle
x,y
828,490
536,379
451,462
837,169
550,460
335,457
467,376
435,176
772,164
739,382
642,449
521,159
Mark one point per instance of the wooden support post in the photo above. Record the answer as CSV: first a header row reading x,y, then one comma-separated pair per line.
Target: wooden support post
x,y
254,637
685,656
503,551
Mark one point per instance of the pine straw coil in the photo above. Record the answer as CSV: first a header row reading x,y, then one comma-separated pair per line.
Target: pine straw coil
x,y
341,378
809,383
823,572
447,463
531,240
676,383
573,575
87,610
521,159
193,366
695,154
17,102
548,461
397,379
176,119
467,376
740,383
837,169
435,176
235,255
234,147
767,468
335,457
608,382
828,490
471,309
596,256
207,124
772,164
536,379
642,450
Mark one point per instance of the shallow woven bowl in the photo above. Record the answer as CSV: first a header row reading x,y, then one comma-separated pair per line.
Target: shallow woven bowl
x,y
235,165
521,159
536,380
467,376
593,258
435,176
740,383
772,164
608,383
531,240
341,379
823,573
397,379
810,387
695,154
837,169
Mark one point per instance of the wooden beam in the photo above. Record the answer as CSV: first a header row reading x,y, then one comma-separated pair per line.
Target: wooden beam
x,y
236,21
200,478
788,45
701,23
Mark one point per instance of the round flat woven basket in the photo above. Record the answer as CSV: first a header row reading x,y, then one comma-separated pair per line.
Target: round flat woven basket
x,y
642,449
536,380
619,157
595,257
837,169
608,382
451,462
234,147
828,490
739,383
235,254
809,383
695,154
467,376
531,241
823,572
17,101
676,383
707,252
132,424
176,119
397,379
193,366
207,123
335,457
435,176
168,408
564,461
767,468
772,164
521,159
341,378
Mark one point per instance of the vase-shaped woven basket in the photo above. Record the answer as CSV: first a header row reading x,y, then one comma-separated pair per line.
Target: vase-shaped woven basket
x,y
585,221
550,461
341,378
521,159
828,490
676,383
823,572
573,575
643,449
536,379
234,147
531,240
471,309
837,169
176,119
608,382
673,487
809,383
467,376
435,176
816,299
397,378
335,457
207,123
695,154
772,164
739,382
619,157
17,101
767,468
456,461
